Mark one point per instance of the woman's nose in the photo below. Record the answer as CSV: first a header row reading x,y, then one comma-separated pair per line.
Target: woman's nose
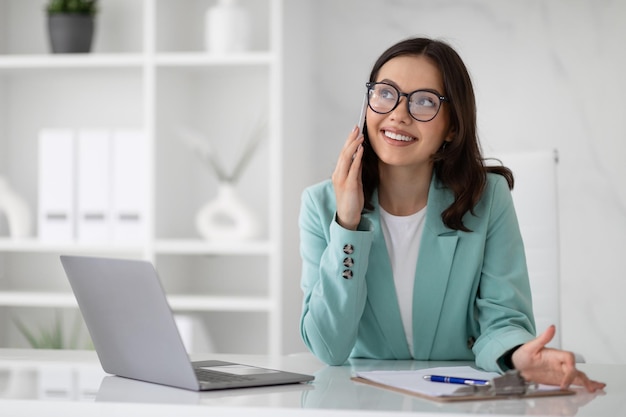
x,y
401,112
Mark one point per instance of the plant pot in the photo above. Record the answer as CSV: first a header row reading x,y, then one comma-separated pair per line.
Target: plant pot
x,y
70,33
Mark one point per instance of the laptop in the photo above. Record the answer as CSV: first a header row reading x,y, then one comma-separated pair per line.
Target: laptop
x,y
134,333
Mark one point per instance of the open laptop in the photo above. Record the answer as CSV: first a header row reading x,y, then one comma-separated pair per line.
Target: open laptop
x,y
135,335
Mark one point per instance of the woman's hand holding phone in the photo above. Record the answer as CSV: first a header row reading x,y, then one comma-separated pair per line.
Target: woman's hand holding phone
x,y
347,181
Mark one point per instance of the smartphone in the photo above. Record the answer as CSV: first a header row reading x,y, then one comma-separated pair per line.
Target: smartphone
x,y
362,115
361,121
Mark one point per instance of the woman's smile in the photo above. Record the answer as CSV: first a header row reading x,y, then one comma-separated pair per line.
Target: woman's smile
x,y
396,136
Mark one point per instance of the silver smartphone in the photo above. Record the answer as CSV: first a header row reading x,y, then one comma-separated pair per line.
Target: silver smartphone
x,y
361,121
362,115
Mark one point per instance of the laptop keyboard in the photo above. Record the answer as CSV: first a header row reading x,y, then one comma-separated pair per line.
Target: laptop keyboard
x,y
213,377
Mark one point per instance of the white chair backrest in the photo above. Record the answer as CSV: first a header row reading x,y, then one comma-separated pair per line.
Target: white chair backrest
x,y
536,204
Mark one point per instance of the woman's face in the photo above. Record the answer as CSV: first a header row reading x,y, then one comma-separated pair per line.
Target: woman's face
x,y
396,137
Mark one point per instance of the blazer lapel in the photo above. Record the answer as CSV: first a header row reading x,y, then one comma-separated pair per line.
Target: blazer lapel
x,y
436,254
381,290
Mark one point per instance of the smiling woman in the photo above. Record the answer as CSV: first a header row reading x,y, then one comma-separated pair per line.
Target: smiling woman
x,y
413,249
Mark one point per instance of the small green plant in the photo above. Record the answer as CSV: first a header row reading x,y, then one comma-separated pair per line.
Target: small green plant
x,y
51,338
72,6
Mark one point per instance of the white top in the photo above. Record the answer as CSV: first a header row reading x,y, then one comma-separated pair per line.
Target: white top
x,y
403,235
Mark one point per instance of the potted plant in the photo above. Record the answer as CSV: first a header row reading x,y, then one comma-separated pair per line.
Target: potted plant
x,y
55,337
71,25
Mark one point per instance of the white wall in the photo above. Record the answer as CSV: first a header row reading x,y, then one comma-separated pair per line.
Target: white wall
x,y
299,147
548,74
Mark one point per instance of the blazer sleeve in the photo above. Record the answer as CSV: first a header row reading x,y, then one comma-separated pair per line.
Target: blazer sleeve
x,y
503,303
334,263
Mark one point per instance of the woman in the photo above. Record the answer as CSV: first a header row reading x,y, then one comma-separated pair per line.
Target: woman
x,y
413,249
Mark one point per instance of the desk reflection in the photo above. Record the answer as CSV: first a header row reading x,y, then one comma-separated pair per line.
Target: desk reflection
x,y
60,382
124,390
54,382
335,390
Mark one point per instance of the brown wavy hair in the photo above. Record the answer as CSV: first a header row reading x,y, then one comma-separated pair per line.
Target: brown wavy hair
x,y
458,164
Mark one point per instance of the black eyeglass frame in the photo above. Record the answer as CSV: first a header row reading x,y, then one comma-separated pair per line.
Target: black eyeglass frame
x,y
370,85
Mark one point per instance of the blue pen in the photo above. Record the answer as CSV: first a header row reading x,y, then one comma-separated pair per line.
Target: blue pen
x,y
455,380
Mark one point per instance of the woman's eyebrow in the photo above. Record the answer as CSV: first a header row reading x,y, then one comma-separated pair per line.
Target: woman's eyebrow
x,y
388,81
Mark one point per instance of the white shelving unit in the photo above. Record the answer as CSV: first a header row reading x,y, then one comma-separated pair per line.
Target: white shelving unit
x,y
149,70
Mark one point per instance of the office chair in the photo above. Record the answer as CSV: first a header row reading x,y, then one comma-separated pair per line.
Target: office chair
x,y
536,203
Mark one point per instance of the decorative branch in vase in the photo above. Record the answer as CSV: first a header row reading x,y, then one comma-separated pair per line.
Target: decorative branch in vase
x,y
226,217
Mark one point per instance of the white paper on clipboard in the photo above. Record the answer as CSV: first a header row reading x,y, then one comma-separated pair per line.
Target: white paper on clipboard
x,y
413,383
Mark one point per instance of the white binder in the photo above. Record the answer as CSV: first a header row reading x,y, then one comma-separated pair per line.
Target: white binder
x,y
130,186
93,217
56,185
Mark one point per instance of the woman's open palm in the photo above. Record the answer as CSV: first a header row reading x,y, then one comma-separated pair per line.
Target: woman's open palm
x,y
543,365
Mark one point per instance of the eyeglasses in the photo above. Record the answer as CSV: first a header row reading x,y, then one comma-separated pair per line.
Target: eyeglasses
x,y
423,105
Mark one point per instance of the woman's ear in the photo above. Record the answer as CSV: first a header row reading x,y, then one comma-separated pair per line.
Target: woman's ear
x,y
451,134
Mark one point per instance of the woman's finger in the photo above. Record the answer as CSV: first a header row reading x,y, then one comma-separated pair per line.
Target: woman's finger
x,y
542,340
570,373
355,168
590,385
347,154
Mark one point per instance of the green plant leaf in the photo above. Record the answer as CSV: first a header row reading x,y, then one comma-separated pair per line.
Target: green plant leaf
x,y
72,6
30,337
52,337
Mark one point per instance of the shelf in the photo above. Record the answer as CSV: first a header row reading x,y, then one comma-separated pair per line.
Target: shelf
x,y
131,60
183,59
177,302
201,247
30,245
69,61
164,247
36,299
218,303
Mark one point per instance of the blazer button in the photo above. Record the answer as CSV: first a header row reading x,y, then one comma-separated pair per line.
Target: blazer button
x,y
348,262
347,274
348,249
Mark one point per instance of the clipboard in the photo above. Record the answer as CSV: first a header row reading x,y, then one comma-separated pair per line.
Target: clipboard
x,y
510,385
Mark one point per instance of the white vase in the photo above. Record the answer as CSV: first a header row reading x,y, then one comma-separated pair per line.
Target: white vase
x,y
227,28
227,217
17,211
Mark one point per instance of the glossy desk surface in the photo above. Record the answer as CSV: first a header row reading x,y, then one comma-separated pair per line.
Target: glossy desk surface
x,y
67,383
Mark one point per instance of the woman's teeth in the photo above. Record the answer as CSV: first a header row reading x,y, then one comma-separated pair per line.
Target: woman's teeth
x,y
396,136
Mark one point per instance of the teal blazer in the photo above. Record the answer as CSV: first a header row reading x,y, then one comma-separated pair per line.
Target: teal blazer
x,y
471,300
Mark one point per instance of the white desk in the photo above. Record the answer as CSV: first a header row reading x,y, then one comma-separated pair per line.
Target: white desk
x,y
68,383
